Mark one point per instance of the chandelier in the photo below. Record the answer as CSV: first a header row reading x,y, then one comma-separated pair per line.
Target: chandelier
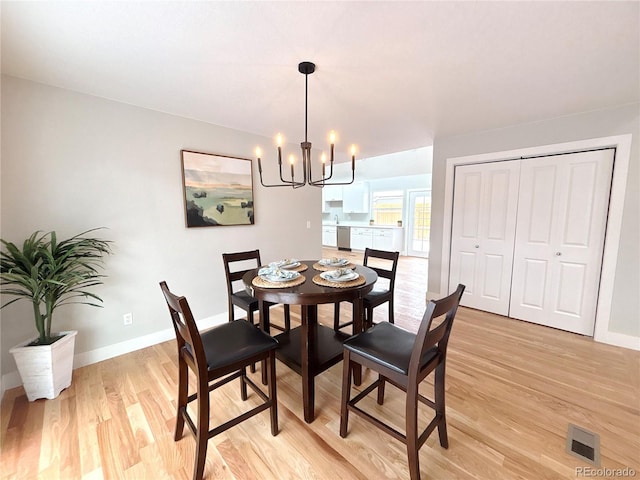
x,y
307,68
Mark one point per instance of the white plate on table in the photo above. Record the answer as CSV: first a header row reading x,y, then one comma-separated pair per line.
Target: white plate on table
x,y
280,278
330,262
344,278
286,263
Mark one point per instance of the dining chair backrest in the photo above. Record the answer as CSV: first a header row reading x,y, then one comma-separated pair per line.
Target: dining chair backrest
x,y
385,269
430,336
187,334
237,264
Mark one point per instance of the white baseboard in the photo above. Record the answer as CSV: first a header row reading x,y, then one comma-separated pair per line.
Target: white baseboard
x,y
12,379
432,296
610,338
619,340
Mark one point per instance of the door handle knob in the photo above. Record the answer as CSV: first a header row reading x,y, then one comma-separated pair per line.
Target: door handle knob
x,y
477,246
558,254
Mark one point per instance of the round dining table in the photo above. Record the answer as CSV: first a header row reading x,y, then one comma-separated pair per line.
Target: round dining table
x,y
311,348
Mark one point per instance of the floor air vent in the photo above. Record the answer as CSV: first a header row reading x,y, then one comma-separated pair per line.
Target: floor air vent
x,y
583,444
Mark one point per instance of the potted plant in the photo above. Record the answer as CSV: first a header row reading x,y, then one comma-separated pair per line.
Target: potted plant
x,y
50,273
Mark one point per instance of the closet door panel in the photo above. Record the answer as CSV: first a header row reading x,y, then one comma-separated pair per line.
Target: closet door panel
x,y
562,214
534,276
485,197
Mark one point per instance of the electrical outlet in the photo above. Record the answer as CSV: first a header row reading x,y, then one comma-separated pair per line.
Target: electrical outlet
x,y
128,318
308,223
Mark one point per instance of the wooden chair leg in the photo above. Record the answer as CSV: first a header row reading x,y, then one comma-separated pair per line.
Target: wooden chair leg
x,y
412,432
336,316
183,392
252,368
273,394
381,385
202,431
346,393
287,318
368,317
243,383
440,407
391,310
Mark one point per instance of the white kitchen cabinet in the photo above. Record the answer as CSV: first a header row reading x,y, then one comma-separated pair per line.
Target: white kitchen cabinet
x,y
389,239
329,236
332,193
355,198
361,238
331,197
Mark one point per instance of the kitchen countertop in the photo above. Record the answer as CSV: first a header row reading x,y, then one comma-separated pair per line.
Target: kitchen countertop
x,y
356,225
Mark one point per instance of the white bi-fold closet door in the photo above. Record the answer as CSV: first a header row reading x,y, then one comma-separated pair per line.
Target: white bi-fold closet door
x,y
528,235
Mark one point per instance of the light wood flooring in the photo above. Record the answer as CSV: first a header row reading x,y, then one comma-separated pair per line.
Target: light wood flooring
x,y
512,390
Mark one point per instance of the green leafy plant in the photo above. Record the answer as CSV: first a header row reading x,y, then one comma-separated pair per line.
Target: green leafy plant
x,y
50,274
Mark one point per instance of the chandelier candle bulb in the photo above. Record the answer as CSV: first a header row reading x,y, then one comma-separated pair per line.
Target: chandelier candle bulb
x,y
258,152
291,159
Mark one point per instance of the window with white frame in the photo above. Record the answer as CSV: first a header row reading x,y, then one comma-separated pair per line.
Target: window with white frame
x,y
387,207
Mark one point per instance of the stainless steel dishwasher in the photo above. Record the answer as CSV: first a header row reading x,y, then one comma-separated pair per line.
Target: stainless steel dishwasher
x,y
344,238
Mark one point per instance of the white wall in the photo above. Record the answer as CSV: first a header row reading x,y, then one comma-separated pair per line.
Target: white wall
x,y
71,162
625,318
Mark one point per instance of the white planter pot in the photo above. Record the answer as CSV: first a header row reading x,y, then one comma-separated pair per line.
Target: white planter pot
x,y
46,369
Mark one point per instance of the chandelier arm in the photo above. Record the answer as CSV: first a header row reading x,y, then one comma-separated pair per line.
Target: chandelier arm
x,y
273,185
322,184
322,181
286,183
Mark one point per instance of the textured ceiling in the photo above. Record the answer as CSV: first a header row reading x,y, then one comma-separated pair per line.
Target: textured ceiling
x,y
390,76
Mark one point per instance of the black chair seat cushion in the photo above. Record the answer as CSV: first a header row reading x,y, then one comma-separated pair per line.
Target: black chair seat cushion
x,y
388,345
242,299
378,293
233,342
375,297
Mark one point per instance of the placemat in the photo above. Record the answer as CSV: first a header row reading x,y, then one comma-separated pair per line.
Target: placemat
x,y
318,280
325,268
262,283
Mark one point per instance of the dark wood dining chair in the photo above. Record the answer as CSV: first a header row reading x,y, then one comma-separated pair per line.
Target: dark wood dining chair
x,y
223,354
235,266
403,359
385,265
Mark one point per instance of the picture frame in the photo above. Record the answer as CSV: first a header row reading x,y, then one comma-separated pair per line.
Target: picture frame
x,y
218,189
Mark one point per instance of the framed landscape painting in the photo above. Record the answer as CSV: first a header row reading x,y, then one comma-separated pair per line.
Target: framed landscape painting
x,y
218,190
